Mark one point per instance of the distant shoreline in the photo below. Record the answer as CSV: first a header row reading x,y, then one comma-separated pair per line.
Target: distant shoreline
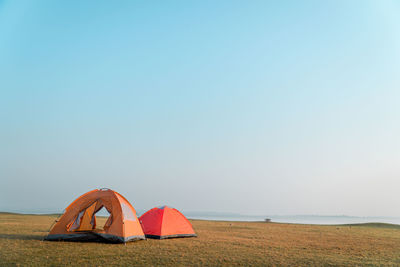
x,y
291,219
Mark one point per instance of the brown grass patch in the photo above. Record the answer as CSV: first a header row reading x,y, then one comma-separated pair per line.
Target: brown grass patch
x,y
217,244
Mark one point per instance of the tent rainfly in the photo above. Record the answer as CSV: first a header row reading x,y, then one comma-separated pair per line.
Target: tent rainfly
x,y
78,223
166,222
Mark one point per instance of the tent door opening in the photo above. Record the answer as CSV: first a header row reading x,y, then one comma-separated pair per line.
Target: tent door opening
x,y
86,220
103,218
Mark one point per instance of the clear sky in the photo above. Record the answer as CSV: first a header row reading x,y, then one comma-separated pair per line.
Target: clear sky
x,y
255,107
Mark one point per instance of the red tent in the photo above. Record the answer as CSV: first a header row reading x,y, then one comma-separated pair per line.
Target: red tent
x,y
165,222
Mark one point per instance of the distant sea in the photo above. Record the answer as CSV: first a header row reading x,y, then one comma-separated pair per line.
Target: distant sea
x,y
300,219
221,216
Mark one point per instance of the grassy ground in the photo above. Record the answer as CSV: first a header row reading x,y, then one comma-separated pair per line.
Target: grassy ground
x,y
217,244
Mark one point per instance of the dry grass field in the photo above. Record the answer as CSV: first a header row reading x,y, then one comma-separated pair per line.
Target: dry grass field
x,y
217,244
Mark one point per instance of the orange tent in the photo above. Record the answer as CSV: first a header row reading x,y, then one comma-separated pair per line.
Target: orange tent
x,y
165,222
78,223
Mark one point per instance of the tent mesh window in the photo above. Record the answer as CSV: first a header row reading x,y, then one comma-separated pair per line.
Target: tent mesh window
x,y
77,222
127,212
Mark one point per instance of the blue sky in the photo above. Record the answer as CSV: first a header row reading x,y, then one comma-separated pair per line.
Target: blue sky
x,y
258,107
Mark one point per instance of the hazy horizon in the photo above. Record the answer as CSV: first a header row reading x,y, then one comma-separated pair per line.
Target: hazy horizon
x,y
245,107
277,218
